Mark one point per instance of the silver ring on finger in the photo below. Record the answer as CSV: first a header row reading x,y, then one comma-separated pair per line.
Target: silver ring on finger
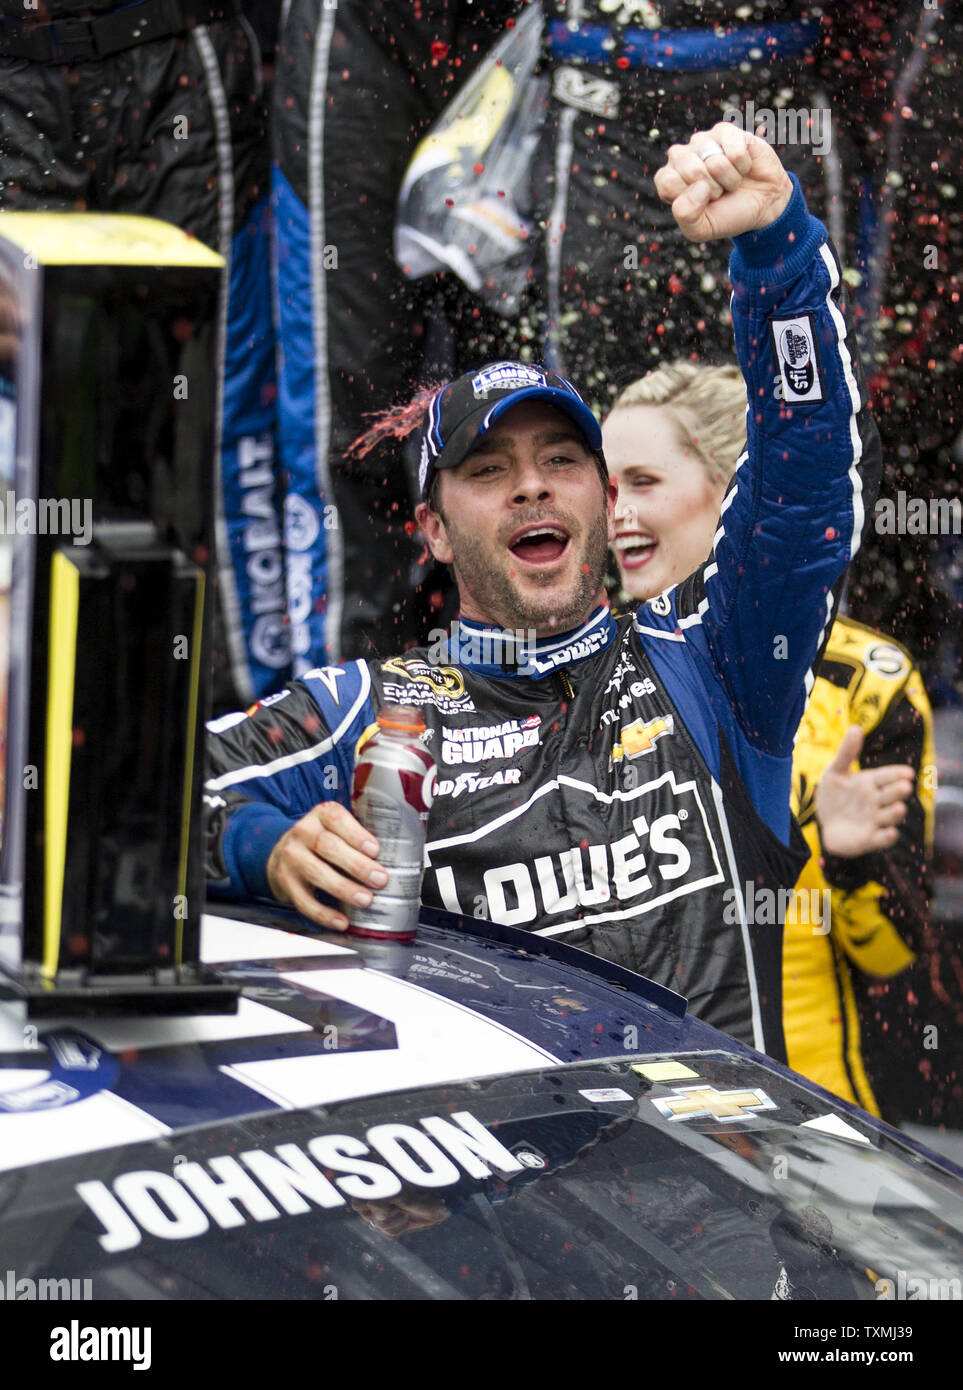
x,y
710,147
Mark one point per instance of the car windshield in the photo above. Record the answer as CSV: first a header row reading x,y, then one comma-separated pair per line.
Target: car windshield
x,y
700,1177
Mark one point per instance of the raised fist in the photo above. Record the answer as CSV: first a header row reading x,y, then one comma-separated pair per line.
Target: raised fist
x,y
723,182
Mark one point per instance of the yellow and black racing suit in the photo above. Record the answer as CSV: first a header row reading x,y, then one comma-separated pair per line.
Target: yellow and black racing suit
x,y
844,1027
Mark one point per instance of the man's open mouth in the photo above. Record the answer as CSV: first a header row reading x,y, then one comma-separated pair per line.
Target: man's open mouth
x,y
634,550
539,545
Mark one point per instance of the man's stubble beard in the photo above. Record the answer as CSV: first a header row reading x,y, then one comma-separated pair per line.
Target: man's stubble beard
x,y
495,593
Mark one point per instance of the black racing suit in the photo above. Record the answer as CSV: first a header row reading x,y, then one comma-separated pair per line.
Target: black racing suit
x,y
624,785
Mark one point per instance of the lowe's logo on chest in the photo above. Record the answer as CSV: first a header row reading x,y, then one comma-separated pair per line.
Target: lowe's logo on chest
x,y
479,745
660,847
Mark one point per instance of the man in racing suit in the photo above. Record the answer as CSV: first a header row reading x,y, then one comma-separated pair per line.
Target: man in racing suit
x,y
613,783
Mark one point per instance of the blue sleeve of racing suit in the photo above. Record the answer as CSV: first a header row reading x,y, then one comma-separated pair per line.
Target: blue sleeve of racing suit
x,y
737,642
267,768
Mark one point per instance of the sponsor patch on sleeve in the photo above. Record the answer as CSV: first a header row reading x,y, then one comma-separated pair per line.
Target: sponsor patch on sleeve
x,y
794,345
885,660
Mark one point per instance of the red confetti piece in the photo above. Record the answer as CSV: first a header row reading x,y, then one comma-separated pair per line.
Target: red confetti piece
x,y
439,49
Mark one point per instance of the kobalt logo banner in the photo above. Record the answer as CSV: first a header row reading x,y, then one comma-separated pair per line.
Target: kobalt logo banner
x,y
497,741
264,563
667,851
302,527
228,1191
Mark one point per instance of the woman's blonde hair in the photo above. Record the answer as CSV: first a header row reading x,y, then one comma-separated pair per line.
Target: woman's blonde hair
x,y
707,403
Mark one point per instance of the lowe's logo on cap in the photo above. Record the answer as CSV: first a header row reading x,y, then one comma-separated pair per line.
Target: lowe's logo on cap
x,y
505,376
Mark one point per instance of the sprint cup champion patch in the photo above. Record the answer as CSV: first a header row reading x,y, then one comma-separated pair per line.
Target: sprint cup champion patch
x,y
794,345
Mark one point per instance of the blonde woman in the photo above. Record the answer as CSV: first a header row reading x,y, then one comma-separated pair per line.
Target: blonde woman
x,y
673,440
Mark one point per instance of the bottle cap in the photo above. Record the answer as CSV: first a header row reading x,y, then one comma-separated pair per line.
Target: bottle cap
x,y
406,717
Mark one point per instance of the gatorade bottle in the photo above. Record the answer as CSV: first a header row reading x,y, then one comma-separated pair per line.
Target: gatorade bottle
x,y
394,776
